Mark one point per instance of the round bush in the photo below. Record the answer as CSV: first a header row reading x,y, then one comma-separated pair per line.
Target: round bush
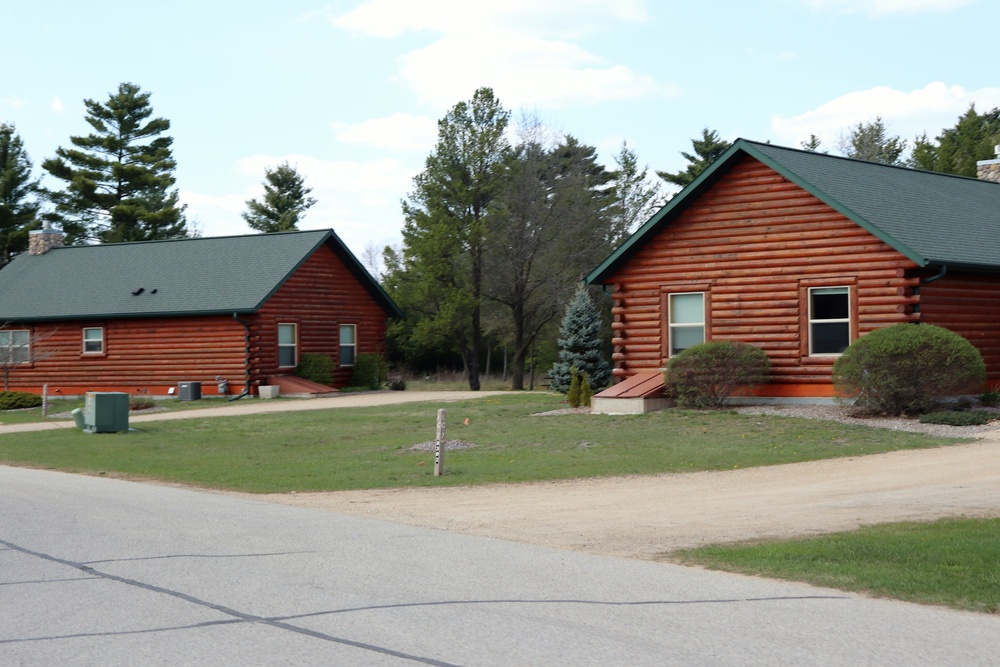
x,y
316,367
18,400
370,371
907,369
706,375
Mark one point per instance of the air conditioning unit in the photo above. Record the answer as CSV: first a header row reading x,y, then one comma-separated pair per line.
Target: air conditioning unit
x,y
105,412
189,391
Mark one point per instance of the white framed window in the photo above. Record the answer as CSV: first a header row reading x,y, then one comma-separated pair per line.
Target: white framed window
x,y
686,320
348,344
93,340
15,347
288,345
829,320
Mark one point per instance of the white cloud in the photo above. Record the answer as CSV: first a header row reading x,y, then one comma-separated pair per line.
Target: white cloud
x,y
14,102
885,7
400,131
57,105
359,200
930,109
525,50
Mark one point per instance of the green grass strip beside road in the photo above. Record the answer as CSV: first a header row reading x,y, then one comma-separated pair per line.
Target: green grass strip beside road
x,y
360,448
953,562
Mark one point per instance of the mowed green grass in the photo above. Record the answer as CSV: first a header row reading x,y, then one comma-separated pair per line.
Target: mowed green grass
x,y
953,562
359,448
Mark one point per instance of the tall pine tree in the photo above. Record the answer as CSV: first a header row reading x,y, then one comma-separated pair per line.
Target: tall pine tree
x,y
18,206
285,201
706,151
957,149
118,180
580,345
871,142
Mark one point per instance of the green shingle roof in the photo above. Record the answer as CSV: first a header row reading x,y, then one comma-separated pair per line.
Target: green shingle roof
x,y
933,219
202,276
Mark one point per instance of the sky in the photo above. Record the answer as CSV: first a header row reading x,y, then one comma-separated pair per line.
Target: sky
x,y
350,91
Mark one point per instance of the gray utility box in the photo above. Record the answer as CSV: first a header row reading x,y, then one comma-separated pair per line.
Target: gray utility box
x,y
105,412
189,391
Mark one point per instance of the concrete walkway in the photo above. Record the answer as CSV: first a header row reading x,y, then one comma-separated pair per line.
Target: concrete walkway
x,y
252,406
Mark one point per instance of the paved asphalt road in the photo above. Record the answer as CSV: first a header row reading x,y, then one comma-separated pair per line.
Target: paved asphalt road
x,y
97,571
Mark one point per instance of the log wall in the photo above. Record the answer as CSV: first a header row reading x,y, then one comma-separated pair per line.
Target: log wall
x,y
754,242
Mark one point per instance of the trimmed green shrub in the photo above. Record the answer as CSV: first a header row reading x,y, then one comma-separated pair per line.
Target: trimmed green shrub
x,y
989,398
18,400
706,375
370,371
586,392
573,394
907,369
143,403
316,367
959,417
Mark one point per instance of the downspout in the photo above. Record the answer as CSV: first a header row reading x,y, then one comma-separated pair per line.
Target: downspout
x,y
924,281
246,364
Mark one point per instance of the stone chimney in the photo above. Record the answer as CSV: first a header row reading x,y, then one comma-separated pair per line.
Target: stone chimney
x,y
989,170
40,241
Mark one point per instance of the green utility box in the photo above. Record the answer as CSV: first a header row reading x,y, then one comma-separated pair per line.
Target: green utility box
x,y
105,412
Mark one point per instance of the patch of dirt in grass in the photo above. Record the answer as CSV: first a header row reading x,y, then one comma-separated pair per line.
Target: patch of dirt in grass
x,y
449,445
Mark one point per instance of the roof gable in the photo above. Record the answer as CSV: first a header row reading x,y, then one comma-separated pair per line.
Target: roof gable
x,y
203,276
931,218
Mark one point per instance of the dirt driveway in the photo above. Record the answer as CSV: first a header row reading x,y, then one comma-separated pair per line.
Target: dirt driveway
x,y
645,516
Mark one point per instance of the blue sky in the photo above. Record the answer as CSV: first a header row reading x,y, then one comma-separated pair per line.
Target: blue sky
x,y
350,91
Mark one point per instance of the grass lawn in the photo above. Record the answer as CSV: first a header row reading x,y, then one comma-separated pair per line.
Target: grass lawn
x,y
951,562
361,448
59,409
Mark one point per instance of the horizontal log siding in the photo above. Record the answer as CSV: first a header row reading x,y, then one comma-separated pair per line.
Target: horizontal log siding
x,y
752,238
322,295
141,356
968,304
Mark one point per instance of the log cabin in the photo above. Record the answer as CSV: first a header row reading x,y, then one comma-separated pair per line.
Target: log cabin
x,y
800,253
145,317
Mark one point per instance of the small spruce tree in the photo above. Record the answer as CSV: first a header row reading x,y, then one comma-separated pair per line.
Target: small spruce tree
x,y
580,345
586,392
573,395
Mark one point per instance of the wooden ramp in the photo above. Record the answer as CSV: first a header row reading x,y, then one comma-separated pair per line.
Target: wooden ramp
x,y
642,392
290,385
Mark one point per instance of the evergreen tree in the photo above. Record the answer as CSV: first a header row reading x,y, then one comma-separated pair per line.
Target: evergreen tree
x,y
812,145
580,345
18,207
706,151
636,198
957,149
447,218
118,179
285,200
871,142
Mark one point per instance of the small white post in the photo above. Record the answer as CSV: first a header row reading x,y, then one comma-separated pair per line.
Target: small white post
x,y
439,445
45,401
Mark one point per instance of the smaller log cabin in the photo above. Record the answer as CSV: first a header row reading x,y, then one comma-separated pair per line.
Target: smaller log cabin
x,y
800,253
143,317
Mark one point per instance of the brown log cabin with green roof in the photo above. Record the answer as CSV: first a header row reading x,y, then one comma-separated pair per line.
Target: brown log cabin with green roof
x,y
800,253
143,317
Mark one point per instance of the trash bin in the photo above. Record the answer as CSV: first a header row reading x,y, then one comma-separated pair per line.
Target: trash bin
x,y
78,418
189,391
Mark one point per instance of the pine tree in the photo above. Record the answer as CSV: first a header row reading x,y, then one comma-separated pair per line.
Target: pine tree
x,y
285,201
706,151
871,142
580,345
636,196
18,208
118,179
958,148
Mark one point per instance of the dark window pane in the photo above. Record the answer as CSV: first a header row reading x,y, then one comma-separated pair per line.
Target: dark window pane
x,y
830,305
286,356
830,338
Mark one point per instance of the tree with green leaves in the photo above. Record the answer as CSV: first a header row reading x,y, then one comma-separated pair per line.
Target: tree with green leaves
x,y
812,145
118,181
580,345
447,220
957,149
636,196
285,201
707,150
18,206
871,142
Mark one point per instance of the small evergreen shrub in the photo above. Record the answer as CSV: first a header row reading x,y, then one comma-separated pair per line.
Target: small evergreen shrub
x,y
370,371
18,400
959,417
586,392
580,345
316,367
907,369
573,395
397,384
143,403
989,398
706,375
